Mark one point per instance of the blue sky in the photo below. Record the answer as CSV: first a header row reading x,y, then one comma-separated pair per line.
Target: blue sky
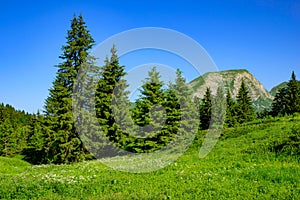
x,y
262,36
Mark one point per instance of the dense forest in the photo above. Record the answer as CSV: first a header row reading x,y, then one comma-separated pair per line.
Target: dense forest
x,y
52,137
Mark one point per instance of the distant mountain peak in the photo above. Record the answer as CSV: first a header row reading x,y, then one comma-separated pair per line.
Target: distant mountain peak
x,y
231,80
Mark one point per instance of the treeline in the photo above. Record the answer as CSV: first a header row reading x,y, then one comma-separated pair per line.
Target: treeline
x,y
224,109
240,109
287,99
160,116
155,119
163,113
14,130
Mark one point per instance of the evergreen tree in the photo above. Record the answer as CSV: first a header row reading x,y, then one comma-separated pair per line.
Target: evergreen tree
x,y
279,103
63,143
13,130
171,104
8,142
149,113
293,95
166,117
287,100
245,110
84,112
110,95
230,119
206,110
219,108
35,149
181,123
151,94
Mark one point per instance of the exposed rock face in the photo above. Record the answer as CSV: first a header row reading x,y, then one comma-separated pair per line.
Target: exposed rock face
x,y
232,80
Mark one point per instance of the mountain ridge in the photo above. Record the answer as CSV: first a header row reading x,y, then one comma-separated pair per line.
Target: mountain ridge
x,y
276,88
231,80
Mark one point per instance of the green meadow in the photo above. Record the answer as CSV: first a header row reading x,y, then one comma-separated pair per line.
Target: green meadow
x,y
257,160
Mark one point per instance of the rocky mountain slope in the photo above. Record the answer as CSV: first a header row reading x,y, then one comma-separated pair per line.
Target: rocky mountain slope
x,y
231,80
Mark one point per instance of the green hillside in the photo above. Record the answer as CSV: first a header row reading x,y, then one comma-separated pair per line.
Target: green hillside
x,y
275,89
259,160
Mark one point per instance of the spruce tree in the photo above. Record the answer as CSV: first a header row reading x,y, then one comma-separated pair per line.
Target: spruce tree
x,y
206,110
149,113
84,113
245,110
219,108
230,119
181,123
287,100
8,142
63,142
35,149
279,103
293,95
112,103
151,94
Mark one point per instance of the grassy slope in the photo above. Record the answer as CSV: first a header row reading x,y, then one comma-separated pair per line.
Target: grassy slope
x,y
275,89
239,167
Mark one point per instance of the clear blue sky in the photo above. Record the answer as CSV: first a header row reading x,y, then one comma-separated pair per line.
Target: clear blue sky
x,y
262,36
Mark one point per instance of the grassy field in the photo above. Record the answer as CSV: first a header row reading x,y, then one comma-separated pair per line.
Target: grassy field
x,y
259,160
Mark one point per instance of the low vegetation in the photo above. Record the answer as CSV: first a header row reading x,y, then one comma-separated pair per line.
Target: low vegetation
x,y
253,161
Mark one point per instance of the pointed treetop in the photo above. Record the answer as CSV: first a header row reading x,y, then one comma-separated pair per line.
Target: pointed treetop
x,y
114,56
293,76
180,78
154,76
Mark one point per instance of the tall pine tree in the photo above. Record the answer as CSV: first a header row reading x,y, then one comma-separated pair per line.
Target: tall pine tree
x,y
279,103
219,108
112,103
35,150
287,100
149,113
181,124
245,110
63,142
293,95
205,110
231,118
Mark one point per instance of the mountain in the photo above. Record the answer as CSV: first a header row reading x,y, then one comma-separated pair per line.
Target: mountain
x,y
231,79
275,89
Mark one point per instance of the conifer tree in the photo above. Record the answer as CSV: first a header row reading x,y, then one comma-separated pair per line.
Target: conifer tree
x,y
230,119
63,143
166,117
8,142
245,110
149,113
151,94
279,103
84,113
219,108
35,149
205,110
181,114
13,130
287,100
293,95
112,102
